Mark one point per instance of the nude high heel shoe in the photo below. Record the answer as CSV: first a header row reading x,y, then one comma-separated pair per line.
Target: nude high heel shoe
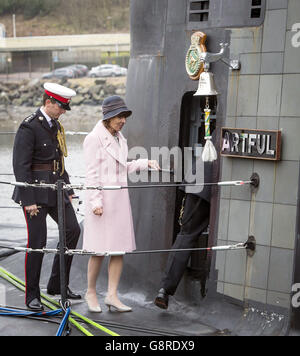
x,y
120,308
92,308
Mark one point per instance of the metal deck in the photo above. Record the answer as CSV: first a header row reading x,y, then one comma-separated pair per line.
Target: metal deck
x,y
214,315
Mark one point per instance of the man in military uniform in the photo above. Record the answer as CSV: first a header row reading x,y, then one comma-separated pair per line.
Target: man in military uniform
x,y
38,156
194,221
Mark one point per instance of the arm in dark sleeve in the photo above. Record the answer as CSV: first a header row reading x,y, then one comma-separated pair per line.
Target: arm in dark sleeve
x,y
22,162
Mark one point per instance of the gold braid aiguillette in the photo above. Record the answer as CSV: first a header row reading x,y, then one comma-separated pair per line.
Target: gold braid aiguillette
x,y
61,138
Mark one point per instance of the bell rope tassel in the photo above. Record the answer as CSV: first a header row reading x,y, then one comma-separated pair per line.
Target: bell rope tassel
x,y
209,153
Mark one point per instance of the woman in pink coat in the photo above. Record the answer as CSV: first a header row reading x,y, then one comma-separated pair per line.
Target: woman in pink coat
x,y
108,222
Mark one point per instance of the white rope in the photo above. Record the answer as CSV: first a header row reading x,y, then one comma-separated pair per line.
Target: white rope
x,y
118,187
238,246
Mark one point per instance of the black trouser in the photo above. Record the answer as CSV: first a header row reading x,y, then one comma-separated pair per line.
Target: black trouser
x,y
194,221
37,239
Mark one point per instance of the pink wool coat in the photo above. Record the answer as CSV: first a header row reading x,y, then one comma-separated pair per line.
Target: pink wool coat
x,y
106,165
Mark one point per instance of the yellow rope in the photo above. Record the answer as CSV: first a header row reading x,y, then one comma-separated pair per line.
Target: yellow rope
x,y
61,138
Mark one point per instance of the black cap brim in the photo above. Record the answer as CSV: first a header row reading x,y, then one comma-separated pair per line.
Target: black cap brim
x,y
63,105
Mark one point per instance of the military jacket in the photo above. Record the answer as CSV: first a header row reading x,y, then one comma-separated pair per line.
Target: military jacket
x,y
200,172
36,143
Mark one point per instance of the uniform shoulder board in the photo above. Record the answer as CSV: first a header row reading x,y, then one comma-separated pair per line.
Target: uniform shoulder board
x,y
30,118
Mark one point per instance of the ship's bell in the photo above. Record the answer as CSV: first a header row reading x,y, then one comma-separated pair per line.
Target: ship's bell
x,y
206,85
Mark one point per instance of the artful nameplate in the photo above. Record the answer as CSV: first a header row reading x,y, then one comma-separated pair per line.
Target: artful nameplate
x,y
247,143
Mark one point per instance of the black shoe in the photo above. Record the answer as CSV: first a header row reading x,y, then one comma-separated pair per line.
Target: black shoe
x,y
70,294
35,305
162,299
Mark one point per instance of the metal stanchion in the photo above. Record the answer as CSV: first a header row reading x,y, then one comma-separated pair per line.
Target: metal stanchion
x,y
62,245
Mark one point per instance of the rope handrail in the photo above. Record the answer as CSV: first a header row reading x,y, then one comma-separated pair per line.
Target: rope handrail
x,y
118,187
70,252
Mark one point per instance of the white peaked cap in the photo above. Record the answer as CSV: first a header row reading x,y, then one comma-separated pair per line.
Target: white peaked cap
x,y
59,93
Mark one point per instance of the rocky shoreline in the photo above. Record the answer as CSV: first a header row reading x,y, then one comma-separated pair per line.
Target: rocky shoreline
x,y
80,118
19,99
89,91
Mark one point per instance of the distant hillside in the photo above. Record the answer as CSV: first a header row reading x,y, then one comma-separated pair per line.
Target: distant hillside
x,y
63,17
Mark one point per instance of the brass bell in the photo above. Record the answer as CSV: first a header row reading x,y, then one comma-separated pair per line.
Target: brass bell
x,y
206,85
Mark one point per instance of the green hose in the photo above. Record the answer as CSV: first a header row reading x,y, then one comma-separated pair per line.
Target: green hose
x,y
45,299
19,284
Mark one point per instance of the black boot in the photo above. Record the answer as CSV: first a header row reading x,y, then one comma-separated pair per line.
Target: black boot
x,y
162,299
70,294
35,305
